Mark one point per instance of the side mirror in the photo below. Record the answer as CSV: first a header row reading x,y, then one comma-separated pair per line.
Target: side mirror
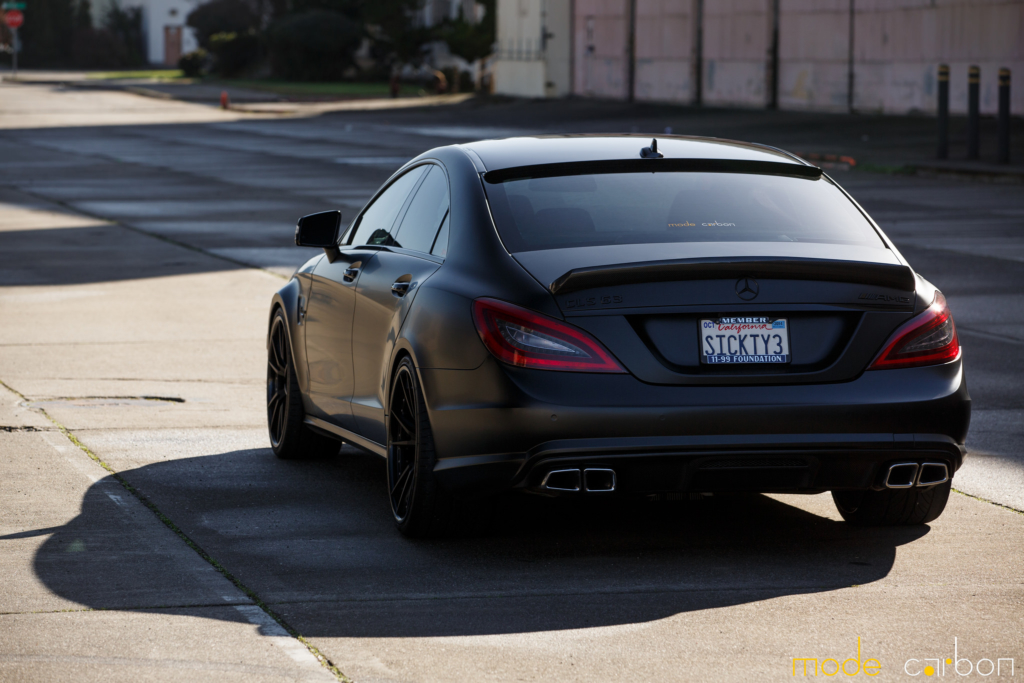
x,y
318,230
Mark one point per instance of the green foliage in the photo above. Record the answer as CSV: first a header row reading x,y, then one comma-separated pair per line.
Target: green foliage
x,y
83,14
467,40
396,38
125,25
223,16
234,53
316,45
98,49
194,64
47,33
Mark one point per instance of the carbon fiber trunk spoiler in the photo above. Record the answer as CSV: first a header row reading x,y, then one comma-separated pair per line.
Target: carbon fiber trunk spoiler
x,y
828,270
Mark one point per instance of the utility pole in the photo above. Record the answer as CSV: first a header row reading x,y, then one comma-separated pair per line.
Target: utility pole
x,y
773,58
943,111
631,48
973,114
698,53
849,64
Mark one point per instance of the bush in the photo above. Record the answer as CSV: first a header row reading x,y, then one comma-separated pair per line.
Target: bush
x,y
233,53
223,16
317,45
195,64
98,49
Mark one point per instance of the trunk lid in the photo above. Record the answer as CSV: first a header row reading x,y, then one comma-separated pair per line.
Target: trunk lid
x,y
646,303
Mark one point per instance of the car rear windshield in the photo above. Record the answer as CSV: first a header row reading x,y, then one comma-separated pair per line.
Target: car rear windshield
x,y
666,207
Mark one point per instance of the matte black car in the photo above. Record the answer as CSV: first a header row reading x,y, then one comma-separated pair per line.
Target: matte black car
x,y
609,316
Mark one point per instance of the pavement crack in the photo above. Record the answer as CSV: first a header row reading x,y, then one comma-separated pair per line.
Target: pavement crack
x,y
170,524
990,502
9,430
126,608
62,399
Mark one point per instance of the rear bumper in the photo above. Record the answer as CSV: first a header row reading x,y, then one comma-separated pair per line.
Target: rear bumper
x,y
497,428
759,462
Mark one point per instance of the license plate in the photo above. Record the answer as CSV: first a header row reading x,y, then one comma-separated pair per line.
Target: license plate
x,y
744,339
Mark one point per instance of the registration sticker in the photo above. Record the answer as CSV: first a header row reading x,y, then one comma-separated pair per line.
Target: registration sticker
x,y
744,339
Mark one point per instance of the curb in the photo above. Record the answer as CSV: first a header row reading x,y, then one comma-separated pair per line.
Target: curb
x,y
1008,175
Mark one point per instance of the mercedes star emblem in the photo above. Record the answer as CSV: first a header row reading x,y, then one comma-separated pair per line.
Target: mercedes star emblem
x,y
746,288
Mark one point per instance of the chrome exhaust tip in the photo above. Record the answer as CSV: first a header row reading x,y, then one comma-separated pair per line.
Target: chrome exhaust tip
x,y
902,475
932,474
561,480
598,479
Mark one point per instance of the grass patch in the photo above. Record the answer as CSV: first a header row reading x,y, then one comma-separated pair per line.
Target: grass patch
x,y
159,74
320,89
887,170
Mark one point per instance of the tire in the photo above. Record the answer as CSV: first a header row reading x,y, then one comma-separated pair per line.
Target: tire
x,y
420,506
893,507
290,438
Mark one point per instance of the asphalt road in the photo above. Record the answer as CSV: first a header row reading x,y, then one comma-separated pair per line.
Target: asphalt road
x,y
140,241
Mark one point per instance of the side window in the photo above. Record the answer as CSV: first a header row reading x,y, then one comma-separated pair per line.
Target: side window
x,y
375,225
441,243
426,211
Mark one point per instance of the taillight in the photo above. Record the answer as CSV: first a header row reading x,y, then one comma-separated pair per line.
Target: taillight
x,y
927,339
522,337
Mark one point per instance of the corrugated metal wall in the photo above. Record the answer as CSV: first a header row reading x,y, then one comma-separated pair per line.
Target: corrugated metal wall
x,y
897,46
600,48
665,33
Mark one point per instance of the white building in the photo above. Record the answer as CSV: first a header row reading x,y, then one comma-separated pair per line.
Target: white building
x,y
533,48
163,27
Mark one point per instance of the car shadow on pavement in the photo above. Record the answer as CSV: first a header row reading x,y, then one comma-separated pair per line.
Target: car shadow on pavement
x,y
315,541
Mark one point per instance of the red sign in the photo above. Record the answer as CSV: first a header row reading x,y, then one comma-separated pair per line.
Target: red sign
x,y
14,18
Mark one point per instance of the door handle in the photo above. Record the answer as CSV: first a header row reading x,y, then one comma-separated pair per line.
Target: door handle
x,y
400,289
351,273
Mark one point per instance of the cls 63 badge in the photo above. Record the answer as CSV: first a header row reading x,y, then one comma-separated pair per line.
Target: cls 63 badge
x,y
583,302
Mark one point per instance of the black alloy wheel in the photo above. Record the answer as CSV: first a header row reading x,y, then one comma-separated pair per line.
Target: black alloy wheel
x,y
403,442
278,369
420,505
290,438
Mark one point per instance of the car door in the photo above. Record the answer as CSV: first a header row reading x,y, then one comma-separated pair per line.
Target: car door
x,y
332,302
386,289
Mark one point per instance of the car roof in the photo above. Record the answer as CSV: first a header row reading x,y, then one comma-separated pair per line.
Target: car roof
x,y
558,149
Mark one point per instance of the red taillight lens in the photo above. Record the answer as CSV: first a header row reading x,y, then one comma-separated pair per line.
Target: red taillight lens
x,y
928,339
519,336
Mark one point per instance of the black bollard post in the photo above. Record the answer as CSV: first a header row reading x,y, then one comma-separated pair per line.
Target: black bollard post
x,y
973,95
943,113
1004,116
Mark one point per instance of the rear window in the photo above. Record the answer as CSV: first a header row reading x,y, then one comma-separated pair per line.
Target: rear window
x,y
667,207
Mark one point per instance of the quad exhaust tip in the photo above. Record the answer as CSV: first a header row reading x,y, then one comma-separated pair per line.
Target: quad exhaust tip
x,y
906,475
561,480
591,479
598,479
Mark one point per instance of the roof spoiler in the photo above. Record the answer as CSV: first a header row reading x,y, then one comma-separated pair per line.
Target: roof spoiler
x,y
655,165
828,270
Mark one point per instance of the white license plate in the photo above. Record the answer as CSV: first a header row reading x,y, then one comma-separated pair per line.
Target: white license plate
x,y
744,339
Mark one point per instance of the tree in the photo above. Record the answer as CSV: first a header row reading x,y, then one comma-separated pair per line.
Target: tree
x,y
471,41
125,25
224,16
315,45
47,32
